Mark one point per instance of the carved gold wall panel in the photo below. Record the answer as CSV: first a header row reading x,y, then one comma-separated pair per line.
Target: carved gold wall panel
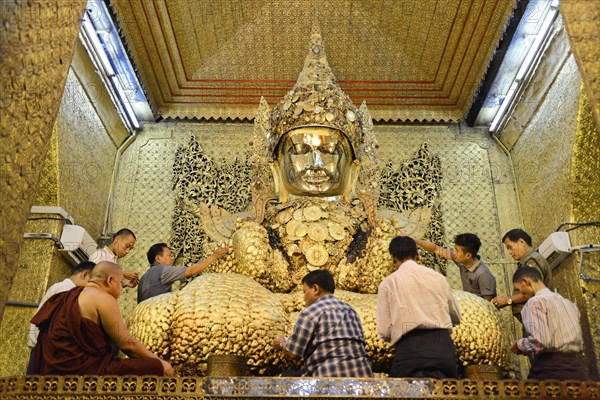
x,y
37,46
582,19
410,60
542,156
86,157
585,169
47,190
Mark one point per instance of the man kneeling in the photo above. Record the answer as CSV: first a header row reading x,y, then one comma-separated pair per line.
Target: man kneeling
x,y
82,331
328,333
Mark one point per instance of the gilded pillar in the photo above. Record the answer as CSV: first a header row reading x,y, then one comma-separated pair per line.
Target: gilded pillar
x,y
582,19
37,38
585,207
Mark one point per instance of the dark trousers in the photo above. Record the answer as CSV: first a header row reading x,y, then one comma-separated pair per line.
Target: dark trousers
x,y
562,366
425,353
30,363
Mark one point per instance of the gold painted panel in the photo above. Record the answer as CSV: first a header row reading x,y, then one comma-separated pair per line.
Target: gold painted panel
x,y
14,332
586,207
212,59
542,156
86,157
35,260
47,191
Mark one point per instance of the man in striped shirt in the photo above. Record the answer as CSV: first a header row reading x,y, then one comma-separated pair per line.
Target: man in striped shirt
x,y
551,322
328,333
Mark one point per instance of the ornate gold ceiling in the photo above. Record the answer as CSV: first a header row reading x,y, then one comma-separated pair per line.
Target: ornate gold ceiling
x,y
410,60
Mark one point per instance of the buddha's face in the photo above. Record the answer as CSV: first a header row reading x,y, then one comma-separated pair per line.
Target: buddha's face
x,y
315,161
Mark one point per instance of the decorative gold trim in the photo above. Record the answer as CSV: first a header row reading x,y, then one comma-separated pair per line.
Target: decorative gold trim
x,y
152,387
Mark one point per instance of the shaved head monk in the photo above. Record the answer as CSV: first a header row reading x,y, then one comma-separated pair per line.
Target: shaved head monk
x,y
82,331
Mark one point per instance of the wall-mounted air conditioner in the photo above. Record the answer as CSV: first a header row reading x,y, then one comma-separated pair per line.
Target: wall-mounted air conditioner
x,y
77,244
556,248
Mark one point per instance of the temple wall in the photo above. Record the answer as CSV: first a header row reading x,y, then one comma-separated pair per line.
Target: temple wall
x,y
75,175
554,148
86,156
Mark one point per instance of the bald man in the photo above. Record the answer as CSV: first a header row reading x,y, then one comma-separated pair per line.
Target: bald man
x,y
82,331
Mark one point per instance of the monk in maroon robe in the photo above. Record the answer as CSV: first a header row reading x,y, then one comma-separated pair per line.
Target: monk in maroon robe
x,y
82,331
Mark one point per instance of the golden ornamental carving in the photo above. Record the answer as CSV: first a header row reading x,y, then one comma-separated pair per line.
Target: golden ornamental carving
x,y
379,387
316,100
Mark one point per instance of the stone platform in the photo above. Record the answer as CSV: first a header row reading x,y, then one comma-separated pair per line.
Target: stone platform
x,y
151,387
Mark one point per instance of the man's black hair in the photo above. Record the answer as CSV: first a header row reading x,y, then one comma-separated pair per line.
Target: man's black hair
x,y
321,277
156,250
469,241
515,234
124,232
403,248
83,266
527,272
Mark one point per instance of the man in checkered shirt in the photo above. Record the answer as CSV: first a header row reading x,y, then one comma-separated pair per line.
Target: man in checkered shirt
x,y
328,333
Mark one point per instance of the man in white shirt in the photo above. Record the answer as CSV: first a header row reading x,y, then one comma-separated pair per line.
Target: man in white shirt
x,y
122,243
79,277
415,313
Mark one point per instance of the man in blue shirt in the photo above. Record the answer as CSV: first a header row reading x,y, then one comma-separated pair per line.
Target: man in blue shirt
x,y
328,333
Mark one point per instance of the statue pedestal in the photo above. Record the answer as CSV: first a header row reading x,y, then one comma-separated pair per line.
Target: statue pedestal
x,y
152,387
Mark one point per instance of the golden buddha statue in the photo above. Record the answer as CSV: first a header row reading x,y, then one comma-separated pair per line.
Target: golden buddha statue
x,y
315,187
315,206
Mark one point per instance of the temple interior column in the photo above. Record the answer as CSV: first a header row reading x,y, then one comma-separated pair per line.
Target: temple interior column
x,y
38,39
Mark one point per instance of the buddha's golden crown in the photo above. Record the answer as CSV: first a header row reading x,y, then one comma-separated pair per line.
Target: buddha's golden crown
x,y
316,100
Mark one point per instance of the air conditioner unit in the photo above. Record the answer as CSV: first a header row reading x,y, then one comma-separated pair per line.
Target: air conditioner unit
x,y
77,244
555,248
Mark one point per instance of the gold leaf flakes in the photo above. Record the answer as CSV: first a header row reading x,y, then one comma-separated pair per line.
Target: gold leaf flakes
x,y
317,255
312,213
317,232
298,215
337,231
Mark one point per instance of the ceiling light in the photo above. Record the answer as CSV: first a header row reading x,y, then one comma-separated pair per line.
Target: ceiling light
x,y
526,67
98,48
